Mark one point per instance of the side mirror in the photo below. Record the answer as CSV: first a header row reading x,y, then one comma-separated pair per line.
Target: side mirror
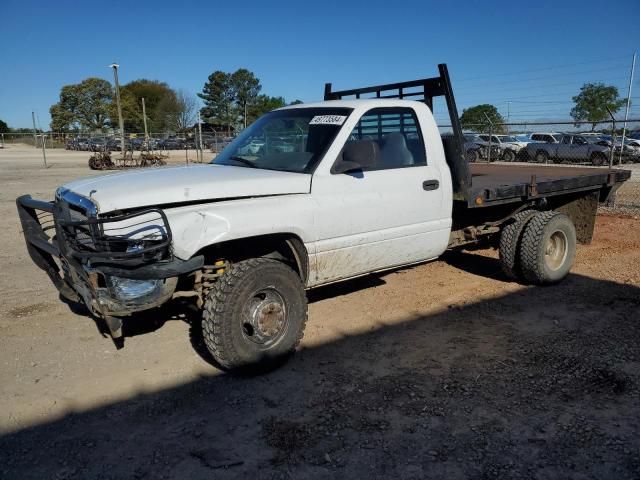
x,y
345,166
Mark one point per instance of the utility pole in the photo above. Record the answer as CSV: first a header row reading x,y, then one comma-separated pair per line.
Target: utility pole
x,y
626,112
508,113
144,119
35,132
35,137
613,136
120,121
200,137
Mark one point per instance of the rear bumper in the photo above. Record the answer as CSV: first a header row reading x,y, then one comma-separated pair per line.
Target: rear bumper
x,y
89,278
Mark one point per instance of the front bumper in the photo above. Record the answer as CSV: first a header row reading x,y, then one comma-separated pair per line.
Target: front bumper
x,y
87,273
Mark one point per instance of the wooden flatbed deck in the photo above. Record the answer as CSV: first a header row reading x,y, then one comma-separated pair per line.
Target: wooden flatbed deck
x,y
505,183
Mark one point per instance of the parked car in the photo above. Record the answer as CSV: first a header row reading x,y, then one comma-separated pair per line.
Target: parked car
x,y
82,144
97,144
246,236
172,143
481,148
509,146
252,147
115,144
571,148
140,143
543,137
217,144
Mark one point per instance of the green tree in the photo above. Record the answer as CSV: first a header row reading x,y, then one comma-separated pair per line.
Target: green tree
x,y
218,96
296,102
84,105
592,102
160,100
246,87
4,128
475,118
261,105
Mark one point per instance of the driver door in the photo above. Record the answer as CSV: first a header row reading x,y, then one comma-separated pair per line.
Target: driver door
x,y
393,210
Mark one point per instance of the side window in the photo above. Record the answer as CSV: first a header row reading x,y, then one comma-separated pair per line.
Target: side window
x,y
391,138
566,140
536,137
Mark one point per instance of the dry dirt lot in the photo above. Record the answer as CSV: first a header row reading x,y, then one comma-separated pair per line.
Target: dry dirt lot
x,y
444,370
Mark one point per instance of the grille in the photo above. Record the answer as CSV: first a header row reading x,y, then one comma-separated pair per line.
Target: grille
x,y
143,235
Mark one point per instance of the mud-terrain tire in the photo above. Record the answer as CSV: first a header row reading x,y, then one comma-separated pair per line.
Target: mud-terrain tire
x,y
254,316
548,248
509,247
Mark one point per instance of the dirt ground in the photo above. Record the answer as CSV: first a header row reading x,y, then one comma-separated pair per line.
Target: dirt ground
x,y
444,370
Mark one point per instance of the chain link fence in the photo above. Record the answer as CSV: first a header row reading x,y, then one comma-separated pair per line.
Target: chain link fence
x,y
211,141
597,145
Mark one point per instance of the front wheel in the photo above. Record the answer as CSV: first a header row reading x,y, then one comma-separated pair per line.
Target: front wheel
x,y
254,316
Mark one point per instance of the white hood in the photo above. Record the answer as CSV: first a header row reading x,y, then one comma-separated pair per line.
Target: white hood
x,y
169,185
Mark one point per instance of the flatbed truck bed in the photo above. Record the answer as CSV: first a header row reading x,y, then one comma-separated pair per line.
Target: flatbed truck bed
x,y
494,184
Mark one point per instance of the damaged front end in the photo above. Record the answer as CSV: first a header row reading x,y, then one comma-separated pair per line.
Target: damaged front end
x,y
116,264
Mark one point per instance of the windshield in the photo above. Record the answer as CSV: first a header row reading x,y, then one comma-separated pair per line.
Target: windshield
x,y
291,140
507,138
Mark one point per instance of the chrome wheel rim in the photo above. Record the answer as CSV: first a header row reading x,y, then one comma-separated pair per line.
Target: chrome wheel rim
x,y
555,251
265,318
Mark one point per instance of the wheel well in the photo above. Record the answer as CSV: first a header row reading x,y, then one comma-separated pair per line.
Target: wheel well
x,y
286,247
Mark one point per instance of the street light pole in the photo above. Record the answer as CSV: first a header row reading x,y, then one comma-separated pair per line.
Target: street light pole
x,y
626,112
120,121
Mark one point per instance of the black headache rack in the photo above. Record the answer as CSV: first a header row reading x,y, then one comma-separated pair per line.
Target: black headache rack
x,y
424,90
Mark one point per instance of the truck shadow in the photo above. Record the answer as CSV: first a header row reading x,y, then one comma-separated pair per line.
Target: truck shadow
x,y
543,381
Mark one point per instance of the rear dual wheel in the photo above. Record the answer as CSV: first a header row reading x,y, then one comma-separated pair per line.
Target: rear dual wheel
x,y
538,247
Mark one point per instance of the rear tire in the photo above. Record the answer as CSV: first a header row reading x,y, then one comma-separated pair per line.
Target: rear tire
x,y
598,159
254,316
510,238
542,156
508,156
548,248
472,156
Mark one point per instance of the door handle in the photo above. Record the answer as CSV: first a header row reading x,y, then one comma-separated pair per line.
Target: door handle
x,y
430,184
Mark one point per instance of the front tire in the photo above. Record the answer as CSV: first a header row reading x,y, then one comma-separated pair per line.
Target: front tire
x,y
254,316
548,248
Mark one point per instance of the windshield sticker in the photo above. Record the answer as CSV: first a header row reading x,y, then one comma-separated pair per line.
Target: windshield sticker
x,y
328,120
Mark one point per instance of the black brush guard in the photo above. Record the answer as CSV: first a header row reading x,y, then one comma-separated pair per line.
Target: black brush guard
x,y
81,246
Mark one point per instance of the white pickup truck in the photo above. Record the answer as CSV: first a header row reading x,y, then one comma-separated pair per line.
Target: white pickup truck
x,y
331,191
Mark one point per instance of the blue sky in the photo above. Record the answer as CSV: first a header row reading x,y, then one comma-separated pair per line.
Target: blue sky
x,y
534,55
